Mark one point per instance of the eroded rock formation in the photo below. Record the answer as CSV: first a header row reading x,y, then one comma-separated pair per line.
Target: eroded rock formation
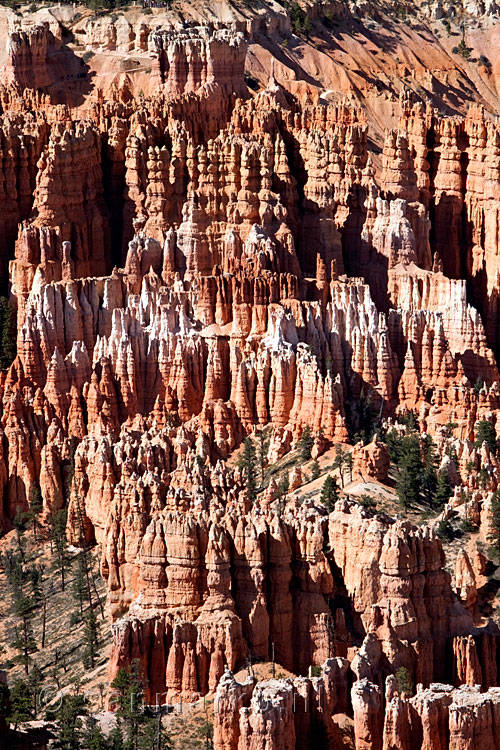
x,y
192,267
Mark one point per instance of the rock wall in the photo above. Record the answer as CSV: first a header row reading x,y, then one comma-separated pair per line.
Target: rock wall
x,y
193,266
296,713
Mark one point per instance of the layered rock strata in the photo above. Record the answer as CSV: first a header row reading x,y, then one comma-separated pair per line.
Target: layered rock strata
x,y
195,266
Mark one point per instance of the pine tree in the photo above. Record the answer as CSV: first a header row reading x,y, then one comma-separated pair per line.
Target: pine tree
x,y
494,537
349,464
34,681
429,473
35,575
263,447
153,737
403,680
5,702
115,738
247,463
306,443
21,703
69,721
283,484
35,509
7,334
315,470
79,588
393,442
130,705
478,385
206,733
329,492
91,640
93,737
60,544
410,469
307,27
23,608
19,524
485,433
443,490
409,419
339,462
367,419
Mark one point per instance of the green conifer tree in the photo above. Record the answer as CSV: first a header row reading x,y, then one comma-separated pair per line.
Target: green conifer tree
x,y
91,640
486,433
247,462
21,703
93,738
429,473
35,509
410,469
306,443
69,735
60,544
315,470
443,490
7,334
494,537
329,492
263,447
79,587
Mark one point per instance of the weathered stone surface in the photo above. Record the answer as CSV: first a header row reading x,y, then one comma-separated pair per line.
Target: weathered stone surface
x,y
202,263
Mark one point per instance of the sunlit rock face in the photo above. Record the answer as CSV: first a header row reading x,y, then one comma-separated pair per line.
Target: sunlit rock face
x,y
190,267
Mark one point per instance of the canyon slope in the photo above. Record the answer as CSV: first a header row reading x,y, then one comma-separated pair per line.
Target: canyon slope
x,y
262,222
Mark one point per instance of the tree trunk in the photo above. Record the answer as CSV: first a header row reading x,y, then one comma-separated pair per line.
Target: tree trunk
x,y
44,619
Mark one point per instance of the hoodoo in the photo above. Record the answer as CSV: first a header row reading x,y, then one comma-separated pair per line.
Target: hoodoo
x,y
249,388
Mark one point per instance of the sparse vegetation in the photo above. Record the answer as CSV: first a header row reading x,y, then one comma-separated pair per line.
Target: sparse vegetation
x,y
483,60
463,50
88,55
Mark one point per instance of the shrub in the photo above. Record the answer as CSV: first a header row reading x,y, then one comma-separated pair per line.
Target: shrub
x,y
444,530
468,526
251,81
367,501
404,682
462,50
